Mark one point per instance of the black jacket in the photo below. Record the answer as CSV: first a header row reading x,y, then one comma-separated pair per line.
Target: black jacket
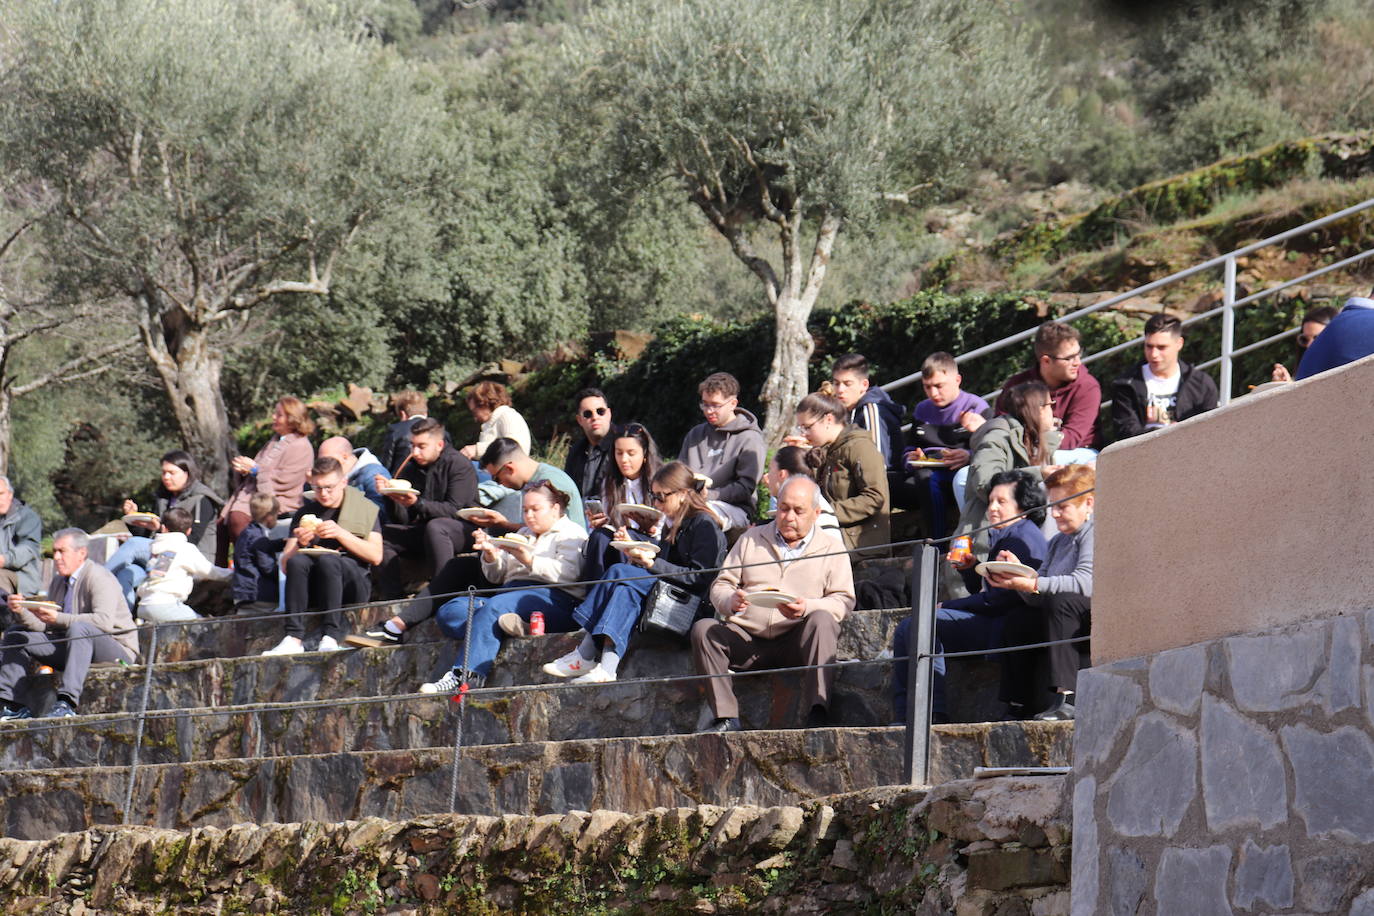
x,y
699,545
587,464
447,485
1197,393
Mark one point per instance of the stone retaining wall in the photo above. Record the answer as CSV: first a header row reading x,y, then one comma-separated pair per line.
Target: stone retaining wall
x,y
1229,776
975,847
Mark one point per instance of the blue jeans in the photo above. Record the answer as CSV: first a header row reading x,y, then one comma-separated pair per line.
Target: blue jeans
x,y
611,609
452,618
130,566
955,631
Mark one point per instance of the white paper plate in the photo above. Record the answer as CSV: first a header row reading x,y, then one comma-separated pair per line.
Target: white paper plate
x,y
640,509
999,566
398,491
770,599
925,463
507,543
317,551
627,546
474,512
37,605
142,519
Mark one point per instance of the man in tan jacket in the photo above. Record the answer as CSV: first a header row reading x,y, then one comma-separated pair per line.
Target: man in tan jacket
x,y
795,557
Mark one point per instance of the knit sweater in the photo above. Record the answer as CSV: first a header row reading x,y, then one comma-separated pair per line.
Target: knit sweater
x,y
821,575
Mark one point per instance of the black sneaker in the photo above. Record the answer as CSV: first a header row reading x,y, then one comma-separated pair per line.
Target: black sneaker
x,y
721,726
61,710
13,713
1061,711
373,639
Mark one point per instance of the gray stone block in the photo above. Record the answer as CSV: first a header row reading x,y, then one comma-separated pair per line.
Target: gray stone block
x,y
1326,879
1176,679
1278,670
1193,881
1243,782
1263,875
1331,781
1363,905
1343,670
1107,703
1127,881
1157,780
1085,849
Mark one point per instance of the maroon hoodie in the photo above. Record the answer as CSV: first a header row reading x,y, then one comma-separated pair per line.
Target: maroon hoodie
x,y
1076,404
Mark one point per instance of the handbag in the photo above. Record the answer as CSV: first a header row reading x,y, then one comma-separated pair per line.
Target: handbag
x,y
669,609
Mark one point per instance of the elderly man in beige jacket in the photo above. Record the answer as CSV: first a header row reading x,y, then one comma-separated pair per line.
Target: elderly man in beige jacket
x,y
790,555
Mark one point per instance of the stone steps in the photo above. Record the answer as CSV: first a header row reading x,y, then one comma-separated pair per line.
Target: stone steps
x,y
621,774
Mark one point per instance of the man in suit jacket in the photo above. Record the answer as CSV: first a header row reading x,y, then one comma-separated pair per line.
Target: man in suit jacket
x,y
92,624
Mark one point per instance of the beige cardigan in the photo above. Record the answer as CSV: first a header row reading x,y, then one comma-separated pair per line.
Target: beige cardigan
x,y
826,582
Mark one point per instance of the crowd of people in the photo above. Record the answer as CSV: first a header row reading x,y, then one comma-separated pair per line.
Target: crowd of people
x,y
621,541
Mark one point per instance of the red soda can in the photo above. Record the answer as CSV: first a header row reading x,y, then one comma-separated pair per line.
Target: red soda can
x,y
537,623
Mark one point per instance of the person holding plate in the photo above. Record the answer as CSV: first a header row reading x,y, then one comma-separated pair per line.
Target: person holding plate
x,y
779,602
545,551
634,462
335,540
1057,602
975,622
694,541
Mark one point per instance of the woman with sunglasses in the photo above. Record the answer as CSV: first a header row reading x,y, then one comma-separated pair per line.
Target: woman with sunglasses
x,y
552,554
634,462
1313,323
694,541
850,470
1023,437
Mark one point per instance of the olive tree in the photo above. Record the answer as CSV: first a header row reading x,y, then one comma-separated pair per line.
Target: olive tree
x,y
800,118
206,158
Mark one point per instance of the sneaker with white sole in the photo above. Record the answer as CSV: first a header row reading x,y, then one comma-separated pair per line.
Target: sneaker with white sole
x,y
374,639
328,644
570,665
289,645
449,683
598,675
513,625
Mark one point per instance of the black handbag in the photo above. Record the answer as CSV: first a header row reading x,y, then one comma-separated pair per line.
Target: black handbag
x,y
669,609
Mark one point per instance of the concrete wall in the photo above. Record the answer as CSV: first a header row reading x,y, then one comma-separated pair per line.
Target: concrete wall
x,y
1243,519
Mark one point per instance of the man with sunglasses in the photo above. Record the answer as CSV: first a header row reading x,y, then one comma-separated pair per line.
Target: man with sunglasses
x,y
1077,395
728,448
588,459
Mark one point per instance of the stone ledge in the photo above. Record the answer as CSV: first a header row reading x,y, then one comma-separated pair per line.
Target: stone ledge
x,y
626,774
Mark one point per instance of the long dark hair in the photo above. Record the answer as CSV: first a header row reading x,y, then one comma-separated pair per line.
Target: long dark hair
x,y
184,461
613,491
677,477
1024,403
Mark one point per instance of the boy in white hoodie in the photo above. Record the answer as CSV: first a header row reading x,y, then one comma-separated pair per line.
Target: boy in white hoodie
x,y
175,566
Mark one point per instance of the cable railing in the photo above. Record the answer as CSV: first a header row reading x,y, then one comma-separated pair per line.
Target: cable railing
x,y
919,655
1227,310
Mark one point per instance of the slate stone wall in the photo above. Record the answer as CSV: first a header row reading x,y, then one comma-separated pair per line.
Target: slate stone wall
x,y
1231,776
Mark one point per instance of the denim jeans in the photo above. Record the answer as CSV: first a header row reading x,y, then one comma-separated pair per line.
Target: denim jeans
x,y
130,566
452,617
612,608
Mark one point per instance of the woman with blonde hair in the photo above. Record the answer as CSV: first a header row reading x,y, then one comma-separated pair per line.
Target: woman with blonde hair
x,y
489,403
693,542
279,468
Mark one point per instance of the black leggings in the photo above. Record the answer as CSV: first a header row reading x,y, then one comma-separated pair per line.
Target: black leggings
x,y
1029,678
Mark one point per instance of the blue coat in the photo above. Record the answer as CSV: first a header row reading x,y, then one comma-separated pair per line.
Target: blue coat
x,y
255,565
1024,539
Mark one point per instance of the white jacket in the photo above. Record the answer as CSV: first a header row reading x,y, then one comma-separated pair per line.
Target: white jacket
x,y
557,557
505,421
175,566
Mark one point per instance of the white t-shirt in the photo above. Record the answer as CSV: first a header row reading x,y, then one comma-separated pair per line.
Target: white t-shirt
x,y
1162,395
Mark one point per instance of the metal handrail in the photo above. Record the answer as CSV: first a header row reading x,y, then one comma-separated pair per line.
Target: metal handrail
x,y
1227,309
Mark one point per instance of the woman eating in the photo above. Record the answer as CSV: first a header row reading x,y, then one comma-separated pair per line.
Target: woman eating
x,y
634,462
694,541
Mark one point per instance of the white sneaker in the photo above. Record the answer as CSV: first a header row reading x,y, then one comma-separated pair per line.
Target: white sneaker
x,y
289,645
598,675
446,684
328,644
570,665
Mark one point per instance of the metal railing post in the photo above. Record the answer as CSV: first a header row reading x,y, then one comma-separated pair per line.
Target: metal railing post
x,y
142,717
1228,329
920,640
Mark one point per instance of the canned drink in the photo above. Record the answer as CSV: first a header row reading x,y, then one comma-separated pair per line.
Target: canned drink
x,y
537,623
960,549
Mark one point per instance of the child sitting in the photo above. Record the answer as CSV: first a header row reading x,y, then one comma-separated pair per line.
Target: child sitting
x,y
175,566
255,558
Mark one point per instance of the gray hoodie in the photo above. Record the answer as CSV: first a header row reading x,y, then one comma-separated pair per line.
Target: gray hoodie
x,y
20,535
731,455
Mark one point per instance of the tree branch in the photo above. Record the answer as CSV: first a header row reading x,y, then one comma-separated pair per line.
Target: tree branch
x,y
72,370
770,210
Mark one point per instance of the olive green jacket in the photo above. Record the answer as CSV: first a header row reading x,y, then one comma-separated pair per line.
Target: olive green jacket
x,y
999,445
853,476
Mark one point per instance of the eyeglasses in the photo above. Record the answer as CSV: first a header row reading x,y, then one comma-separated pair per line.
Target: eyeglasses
x,y
708,407
1071,358
595,411
329,487
658,497
806,427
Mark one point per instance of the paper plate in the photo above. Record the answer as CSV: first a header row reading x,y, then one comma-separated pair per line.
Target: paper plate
x,y
317,551
508,543
925,463
999,566
142,519
627,546
398,491
770,599
40,605
474,512
639,509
